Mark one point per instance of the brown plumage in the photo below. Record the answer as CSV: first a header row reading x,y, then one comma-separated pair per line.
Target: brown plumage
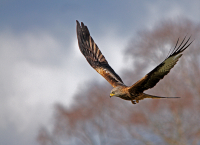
x,y
133,93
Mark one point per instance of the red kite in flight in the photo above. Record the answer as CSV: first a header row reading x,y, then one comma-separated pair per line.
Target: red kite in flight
x,y
133,93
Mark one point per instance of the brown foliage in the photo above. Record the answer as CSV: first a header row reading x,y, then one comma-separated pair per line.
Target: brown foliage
x,y
94,118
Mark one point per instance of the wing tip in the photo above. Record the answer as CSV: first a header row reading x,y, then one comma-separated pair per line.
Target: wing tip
x,y
183,45
77,23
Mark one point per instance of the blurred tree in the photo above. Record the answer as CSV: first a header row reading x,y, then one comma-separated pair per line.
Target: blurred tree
x,y
95,119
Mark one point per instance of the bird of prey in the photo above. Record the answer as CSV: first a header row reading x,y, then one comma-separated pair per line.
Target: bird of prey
x,y
133,93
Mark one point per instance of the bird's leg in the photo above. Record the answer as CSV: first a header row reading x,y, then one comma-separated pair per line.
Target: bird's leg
x,y
133,101
137,101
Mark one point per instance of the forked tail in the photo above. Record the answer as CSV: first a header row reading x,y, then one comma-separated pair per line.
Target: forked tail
x,y
143,96
154,97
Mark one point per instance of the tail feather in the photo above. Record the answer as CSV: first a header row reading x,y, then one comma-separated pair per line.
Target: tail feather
x,y
143,96
154,97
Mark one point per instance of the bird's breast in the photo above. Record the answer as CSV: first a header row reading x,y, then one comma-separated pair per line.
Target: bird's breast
x,y
125,97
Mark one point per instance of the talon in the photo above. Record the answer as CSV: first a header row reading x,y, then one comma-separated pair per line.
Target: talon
x,y
137,101
133,101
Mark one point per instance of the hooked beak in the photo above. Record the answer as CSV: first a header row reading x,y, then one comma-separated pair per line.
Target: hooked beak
x,y
111,95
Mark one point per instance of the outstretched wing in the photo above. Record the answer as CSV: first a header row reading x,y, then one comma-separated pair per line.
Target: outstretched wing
x,y
94,56
158,73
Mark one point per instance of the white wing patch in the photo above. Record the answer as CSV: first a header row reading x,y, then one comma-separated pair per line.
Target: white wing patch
x,y
169,63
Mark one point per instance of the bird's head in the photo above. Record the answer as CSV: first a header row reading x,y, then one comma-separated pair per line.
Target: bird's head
x,y
116,92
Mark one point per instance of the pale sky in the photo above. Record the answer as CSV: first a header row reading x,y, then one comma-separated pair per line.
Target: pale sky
x,y
40,61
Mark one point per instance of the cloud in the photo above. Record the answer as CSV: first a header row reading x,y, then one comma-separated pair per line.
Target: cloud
x,y
34,74
163,10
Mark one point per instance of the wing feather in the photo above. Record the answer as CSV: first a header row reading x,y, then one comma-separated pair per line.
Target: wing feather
x,y
94,56
158,73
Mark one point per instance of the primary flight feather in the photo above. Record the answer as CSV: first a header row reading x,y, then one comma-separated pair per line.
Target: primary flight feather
x,y
133,93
